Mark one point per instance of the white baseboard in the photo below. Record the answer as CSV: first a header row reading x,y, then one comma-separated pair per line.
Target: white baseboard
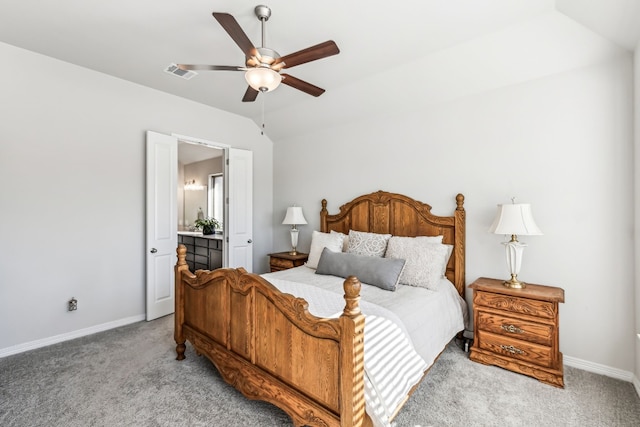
x,y
20,348
597,368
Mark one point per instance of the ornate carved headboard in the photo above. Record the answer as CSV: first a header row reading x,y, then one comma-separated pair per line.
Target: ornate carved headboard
x,y
390,213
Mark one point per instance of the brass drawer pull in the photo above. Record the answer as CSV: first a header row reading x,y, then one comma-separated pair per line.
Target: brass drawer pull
x,y
511,349
512,329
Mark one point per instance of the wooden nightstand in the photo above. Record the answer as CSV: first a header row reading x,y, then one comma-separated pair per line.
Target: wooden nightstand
x,y
284,260
518,329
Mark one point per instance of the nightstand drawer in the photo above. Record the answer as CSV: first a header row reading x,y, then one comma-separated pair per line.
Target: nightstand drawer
x,y
516,328
285,260
281,263
517,349
513,304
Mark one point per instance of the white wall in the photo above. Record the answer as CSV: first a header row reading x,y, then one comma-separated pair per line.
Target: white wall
x,y
562,143
72,191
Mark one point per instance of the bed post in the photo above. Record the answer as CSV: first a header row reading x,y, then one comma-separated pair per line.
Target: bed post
x,y
352,404
323,216
179,295
459,216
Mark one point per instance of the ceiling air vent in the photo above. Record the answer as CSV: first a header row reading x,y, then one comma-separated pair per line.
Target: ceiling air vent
x,y
185,74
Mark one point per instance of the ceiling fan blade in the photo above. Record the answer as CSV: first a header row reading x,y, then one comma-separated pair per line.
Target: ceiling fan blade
x,y
232,27
250,95
187,67
301,85
309,54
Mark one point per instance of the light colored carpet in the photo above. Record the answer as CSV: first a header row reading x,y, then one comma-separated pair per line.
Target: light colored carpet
x,y
129,377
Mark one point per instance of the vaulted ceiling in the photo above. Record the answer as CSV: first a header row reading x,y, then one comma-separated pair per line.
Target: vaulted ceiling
x,y
394,55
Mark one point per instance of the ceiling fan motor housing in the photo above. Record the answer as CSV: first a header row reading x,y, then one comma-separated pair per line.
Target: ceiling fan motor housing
x,y
263,12
266,57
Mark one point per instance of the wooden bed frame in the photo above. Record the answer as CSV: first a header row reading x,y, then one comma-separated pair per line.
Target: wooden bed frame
x,y
267,345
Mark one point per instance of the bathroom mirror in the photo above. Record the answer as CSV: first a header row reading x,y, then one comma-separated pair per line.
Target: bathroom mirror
x,y
195,201
201,186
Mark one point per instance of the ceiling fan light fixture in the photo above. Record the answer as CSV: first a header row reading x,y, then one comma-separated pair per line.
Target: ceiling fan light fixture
x,y
263,79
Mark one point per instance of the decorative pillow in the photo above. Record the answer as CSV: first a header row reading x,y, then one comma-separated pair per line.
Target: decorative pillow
x,y
426,261
433,239
345,240
370,244
381,272
319,241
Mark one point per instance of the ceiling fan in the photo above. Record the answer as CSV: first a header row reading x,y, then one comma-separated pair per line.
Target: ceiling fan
x,y
263,65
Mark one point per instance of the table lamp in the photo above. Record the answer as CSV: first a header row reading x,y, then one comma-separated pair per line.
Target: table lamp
x,y
514,219
294,217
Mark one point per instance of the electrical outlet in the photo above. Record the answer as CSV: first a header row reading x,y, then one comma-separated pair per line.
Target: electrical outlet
x,y
73,304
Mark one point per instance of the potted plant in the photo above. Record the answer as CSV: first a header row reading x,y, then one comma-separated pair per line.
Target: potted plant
x,y
207,225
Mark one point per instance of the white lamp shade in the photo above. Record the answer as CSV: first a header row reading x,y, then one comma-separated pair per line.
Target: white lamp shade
x,y
294,216
263,79
515,218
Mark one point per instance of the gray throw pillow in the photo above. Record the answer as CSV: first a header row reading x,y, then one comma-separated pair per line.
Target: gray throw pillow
x,y
381,272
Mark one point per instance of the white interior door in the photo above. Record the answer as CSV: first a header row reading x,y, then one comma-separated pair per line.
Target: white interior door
x,y
240,209
162,223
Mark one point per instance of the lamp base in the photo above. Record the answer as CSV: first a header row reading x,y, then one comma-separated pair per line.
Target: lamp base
x,y
513,250
514,283
294,240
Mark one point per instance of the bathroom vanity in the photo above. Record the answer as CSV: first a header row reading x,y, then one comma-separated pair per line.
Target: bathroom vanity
x,y
204,252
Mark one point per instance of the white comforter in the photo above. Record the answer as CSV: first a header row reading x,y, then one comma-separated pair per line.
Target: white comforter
x,y
405,330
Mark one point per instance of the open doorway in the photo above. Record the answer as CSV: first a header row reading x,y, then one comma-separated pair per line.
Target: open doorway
x,y
200,197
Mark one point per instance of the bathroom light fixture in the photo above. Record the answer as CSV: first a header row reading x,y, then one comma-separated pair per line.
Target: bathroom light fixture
x,y
514,219
192,186
294,217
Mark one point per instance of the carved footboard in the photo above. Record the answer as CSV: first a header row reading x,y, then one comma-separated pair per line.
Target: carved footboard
x,y
267,345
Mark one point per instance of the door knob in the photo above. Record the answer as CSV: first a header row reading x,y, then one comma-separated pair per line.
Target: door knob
x,y
249,241
153,250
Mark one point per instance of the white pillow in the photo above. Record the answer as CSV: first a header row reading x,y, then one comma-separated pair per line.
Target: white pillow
x,y
433,239
319,241
438,239
426,261
345,240
370,244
